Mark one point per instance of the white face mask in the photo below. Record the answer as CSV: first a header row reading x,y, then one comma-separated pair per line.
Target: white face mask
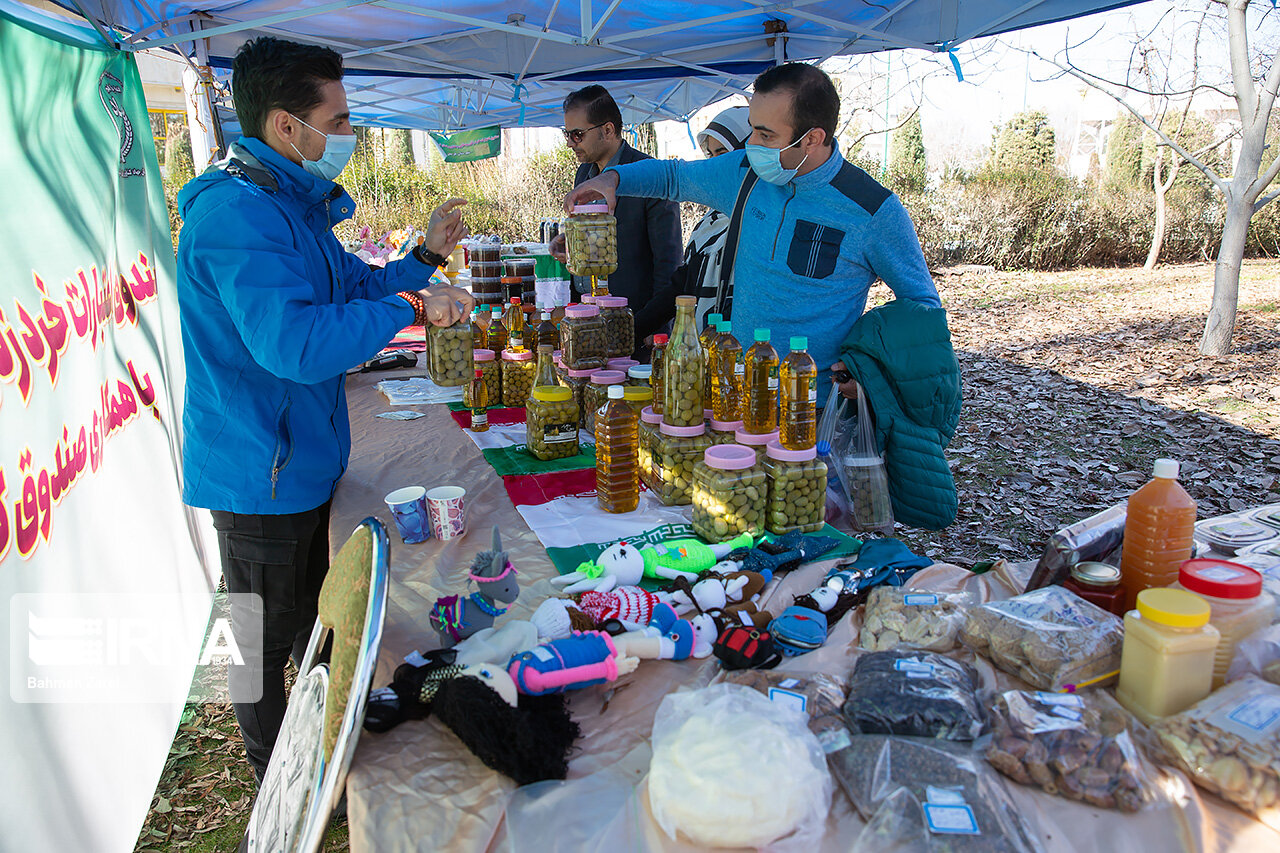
x,y
338,149
767,162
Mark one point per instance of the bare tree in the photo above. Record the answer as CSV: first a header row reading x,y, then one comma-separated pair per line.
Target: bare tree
x,y
1254,78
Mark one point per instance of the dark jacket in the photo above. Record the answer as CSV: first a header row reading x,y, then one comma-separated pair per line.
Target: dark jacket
x,y
649,244
901,354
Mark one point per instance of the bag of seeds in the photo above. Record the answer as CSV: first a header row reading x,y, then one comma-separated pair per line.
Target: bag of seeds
x,y
1076,745
1228,744
921,694
933,796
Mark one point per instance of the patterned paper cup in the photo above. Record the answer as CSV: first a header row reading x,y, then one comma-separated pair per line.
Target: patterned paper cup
x,y
409,508
447,510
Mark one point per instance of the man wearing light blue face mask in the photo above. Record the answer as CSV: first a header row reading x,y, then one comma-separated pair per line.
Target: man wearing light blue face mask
x,y
274,312
815,230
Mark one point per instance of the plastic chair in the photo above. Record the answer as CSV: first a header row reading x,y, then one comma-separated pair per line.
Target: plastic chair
x,y
291,812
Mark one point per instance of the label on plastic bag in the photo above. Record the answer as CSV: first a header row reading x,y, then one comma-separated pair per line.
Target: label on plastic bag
x,y
920,599
943,796
1070,700
914,668
788,682
789,698
951,819
1255,719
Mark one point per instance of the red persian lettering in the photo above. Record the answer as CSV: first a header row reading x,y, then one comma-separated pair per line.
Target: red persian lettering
x,y
13,360
4,519
53,326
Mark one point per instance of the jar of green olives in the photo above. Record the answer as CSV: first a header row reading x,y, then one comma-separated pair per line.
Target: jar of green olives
x,y
518,372
619,327
648,437
551,423
797,489
867,484
729,493
449,354
640,374
723,432
582,338
638,396
596,393
675,453
759,442
562,372
577,381
591,238
487,363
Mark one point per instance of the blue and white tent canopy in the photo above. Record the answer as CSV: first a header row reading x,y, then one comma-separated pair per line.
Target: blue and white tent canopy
x,y
455,65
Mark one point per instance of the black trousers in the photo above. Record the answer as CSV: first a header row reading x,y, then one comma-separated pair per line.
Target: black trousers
x,y
284,560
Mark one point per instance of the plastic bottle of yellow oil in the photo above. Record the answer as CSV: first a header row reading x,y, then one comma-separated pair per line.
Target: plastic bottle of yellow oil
x,y
798,392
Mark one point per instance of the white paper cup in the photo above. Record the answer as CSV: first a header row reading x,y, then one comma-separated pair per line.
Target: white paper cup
x,y
409,509
448,511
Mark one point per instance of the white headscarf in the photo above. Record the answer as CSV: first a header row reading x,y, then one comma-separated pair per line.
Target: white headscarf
x,y
730,128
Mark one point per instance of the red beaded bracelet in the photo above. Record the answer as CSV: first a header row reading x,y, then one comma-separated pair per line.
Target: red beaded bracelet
x,y
419,307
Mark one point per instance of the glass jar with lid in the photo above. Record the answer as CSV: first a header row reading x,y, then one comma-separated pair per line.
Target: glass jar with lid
x,y
730,490
582,338
759,442
619,327
639,396
640,374
595,393
449,354
647,438
1098,583
518,370
1237,607
551,423
1166,663
675,453
489,253
487,363
591,239
797,489
723,432
577,381
620,363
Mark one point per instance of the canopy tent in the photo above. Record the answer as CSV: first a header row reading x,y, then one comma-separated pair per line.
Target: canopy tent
x,y
460,65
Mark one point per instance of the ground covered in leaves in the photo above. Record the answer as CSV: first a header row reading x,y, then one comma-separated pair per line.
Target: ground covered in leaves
x,y
1074,383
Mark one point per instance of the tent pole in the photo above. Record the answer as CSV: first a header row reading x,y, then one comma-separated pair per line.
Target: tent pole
x,y
197,84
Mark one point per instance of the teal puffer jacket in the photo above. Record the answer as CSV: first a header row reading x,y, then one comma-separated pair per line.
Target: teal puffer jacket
x,y
901,354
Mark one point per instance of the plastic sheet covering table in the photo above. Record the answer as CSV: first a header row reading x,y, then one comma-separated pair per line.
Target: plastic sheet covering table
x,y
417,788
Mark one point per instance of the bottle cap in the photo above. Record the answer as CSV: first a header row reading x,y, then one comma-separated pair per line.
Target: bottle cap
x,y
611,301
730,457
1092,573
483,355
515,300
649,416
608,377
712,319
582,374
660,339
579,311
799,342
1166,469
636,393
686,302
591,207
640,371
1220,579
623,364
683,432
524,355
546,317
823,447
1176,608
615,391
496,311
762,336
755,439
552,393
479,373
724,327
544,348
774,450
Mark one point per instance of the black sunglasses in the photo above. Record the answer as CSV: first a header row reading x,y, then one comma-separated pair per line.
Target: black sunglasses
x,y
575,136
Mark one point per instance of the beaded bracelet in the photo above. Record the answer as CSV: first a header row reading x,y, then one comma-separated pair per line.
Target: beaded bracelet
x,y
419,307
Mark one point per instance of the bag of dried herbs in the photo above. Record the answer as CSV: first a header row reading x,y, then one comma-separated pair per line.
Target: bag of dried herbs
x,y
918,694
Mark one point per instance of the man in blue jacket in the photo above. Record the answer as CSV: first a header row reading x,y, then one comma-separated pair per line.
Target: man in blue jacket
x,y
274,313
816,231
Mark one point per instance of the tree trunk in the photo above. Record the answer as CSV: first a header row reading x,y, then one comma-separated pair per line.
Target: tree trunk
x,y
1157,232
1226,278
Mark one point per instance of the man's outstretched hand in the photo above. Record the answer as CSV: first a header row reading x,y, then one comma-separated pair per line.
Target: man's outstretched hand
x,y
446,228
602,186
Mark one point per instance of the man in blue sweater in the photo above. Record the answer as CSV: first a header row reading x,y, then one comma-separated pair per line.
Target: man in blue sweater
x,y
816,231
273,314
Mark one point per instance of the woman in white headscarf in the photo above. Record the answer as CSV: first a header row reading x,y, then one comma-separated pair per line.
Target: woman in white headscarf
x,y
700,273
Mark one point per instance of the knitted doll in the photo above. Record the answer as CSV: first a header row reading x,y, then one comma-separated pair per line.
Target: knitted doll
x,y
624,564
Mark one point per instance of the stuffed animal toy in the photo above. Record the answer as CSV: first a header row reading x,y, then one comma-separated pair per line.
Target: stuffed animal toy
x,y
630,605
456,617
625,565
527,738
783,554
714,590
586,658
604,611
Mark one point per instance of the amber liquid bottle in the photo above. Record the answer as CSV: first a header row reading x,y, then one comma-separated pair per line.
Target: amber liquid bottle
x,y
479,403
760,366
655,377
727,375
1158,526
617,454
479,325
515,326
547,333
708,339
798,381
497,333
683,369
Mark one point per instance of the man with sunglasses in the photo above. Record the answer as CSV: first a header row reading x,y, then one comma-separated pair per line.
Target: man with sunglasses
x,y
649,240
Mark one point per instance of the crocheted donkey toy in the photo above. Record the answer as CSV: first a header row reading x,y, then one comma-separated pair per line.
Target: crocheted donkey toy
x,y
455,617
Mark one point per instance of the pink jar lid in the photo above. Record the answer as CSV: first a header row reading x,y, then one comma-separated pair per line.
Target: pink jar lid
x,y
682,432
726,426
774,450
592,207
755,439
730,457
581,311
517,356
483,355
623,364
649,416
580,374
557,358
608,377
611,301
706,414
588,299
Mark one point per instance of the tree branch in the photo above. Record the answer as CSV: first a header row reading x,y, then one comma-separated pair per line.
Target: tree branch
x,y
1241,75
